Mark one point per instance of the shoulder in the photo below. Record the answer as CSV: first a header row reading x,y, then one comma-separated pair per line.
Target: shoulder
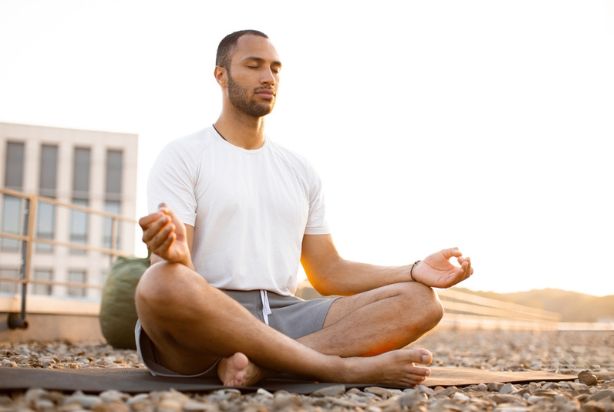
x,y
186,150
295,160
189,147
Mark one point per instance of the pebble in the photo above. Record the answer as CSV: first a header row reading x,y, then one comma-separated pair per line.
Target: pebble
x,y
507,388
604,394
86,401
424,389
574,352
587,378
334,390
383,392
459,396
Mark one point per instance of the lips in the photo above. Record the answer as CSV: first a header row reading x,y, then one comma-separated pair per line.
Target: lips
x,y
267,93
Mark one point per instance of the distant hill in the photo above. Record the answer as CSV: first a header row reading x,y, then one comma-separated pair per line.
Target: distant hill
x,y
572,306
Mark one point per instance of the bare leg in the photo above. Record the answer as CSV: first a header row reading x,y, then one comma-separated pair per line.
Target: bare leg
x,y
377,321
368,324
192,324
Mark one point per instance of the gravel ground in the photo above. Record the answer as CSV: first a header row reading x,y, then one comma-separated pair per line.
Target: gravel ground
x,y
565,352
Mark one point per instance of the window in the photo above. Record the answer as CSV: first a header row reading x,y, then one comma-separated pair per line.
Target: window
x,y
6,286
13,172
79,221
12,222
48,177
113,194
47,186
12,213
45,226
80,277
114,172
41,288
107,230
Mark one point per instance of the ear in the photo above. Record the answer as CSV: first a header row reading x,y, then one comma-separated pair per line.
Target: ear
x,y
220,75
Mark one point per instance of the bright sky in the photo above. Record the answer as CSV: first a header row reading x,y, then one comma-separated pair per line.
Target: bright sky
x,y
485,125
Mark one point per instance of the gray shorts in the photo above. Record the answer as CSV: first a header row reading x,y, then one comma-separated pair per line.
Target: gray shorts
x,y
292,316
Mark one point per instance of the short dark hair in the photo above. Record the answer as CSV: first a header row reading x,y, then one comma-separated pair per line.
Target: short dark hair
x,y
225,47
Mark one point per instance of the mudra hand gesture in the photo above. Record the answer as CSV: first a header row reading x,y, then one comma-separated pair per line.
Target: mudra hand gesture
x,y
165,235
437,271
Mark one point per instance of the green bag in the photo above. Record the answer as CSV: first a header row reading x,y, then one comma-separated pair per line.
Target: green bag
x,y
117,309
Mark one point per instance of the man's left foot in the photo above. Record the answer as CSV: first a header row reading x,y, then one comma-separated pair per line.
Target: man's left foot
x,y
238,370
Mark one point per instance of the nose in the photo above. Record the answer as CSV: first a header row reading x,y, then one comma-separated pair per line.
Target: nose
x,y
268,77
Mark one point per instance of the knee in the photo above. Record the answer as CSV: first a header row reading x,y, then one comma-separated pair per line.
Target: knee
x,y
163,287
425,305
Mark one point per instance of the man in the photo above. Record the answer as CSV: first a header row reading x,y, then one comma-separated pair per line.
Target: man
x,y
235,214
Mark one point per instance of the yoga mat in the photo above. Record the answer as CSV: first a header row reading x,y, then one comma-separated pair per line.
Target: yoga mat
x,y
132,380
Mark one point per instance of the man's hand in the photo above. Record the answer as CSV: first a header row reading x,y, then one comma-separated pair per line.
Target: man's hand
x,y
437,271
165,235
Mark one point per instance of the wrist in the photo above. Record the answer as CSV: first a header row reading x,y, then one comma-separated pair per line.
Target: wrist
x,y
412,271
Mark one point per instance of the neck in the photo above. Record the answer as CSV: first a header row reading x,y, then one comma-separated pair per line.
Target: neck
x,y
241,130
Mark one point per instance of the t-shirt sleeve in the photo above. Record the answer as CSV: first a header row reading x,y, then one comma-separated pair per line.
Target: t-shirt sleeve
x,y
316,221
171,182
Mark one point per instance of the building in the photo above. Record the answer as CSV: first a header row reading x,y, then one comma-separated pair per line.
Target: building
x,y
93,169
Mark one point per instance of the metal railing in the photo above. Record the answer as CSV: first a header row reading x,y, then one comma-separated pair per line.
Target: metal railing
x,y
28,237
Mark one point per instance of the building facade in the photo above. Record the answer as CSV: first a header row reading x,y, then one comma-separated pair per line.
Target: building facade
x,y
93,169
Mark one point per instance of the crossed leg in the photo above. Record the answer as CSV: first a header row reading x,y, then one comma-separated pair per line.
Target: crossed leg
x,y
366,324
192,324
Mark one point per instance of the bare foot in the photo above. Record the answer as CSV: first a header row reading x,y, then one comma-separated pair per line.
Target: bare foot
x,y
395,368
237,370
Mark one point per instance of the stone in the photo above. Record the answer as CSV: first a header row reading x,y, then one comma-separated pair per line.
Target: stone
x,y
169,405
411,399
34,394
482,387
494,386
138,398
507,388
383,392
43,405
506,398
196,406
86,401
535,399
602,394
459,396
596,406
587,378
283,399
511,408
333,390
423,389
447,392
263,392
578,387
111,407
113,396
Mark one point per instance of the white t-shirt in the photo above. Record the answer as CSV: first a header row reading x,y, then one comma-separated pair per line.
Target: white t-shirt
x,y
249,208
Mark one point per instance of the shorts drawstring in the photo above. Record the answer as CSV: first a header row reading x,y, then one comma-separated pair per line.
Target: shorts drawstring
x,y
266,309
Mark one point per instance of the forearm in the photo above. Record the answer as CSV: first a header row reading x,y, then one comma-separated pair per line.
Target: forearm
x,y
348,278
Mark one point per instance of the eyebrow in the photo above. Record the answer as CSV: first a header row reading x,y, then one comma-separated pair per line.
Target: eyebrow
x,y
261,60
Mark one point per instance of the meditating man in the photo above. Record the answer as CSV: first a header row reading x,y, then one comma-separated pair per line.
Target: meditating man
x,y
232,214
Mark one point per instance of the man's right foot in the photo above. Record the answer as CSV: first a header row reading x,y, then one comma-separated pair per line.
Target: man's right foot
x,y
238,370
395,368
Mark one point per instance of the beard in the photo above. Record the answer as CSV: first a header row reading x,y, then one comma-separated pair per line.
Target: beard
x,y
238,98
